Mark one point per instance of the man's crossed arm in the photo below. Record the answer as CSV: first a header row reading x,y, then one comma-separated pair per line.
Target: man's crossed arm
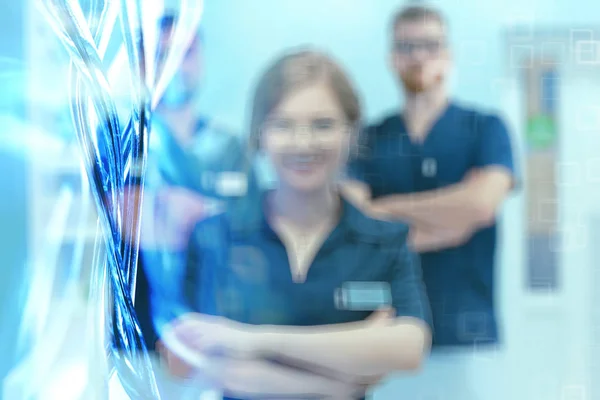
x,y
445,217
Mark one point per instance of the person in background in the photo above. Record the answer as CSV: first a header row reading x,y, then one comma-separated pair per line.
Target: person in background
x,y
445,169
195,164
194,169
306,296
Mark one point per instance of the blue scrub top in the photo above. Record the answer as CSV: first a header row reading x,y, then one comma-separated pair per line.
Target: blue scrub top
x,y
459,280
241,271
236,266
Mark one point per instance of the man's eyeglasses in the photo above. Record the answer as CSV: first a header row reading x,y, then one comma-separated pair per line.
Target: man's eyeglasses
x,y
410,47
284,131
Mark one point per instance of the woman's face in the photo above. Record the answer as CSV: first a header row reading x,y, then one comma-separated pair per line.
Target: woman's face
x,y
307,138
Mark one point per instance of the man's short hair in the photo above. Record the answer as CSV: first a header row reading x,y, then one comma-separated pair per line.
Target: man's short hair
x,y
418,13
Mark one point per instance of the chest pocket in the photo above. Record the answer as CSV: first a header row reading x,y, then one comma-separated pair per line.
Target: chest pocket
x,y
452,161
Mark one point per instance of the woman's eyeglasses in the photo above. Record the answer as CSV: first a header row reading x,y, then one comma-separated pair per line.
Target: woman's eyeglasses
x,y
285,131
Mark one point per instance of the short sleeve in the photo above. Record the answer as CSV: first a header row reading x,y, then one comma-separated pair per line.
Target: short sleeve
x,y
495,148
409,296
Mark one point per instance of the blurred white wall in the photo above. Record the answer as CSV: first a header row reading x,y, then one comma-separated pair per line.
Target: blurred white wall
x,y
243,36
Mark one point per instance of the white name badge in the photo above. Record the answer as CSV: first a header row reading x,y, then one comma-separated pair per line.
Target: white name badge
x,y
363,296
231,184
429,167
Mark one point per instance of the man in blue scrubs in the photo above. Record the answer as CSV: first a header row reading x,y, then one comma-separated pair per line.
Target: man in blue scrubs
x,y
445,169
193,160
195,169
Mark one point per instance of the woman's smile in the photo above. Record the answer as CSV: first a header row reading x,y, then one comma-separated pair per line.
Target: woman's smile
x,y
304,164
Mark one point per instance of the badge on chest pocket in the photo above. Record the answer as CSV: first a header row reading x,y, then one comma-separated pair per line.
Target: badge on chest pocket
x,y
363,296
429,167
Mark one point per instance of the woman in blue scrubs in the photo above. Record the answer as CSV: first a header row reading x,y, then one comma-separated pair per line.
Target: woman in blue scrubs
x,y
299,294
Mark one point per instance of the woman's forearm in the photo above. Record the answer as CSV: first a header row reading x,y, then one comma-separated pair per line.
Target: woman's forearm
x,y
358,350
258,379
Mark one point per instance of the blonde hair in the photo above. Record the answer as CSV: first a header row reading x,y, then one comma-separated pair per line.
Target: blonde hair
x,y
295,70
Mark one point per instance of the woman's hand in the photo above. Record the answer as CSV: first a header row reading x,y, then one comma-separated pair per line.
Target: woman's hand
x,y
174,364
192,341
217,336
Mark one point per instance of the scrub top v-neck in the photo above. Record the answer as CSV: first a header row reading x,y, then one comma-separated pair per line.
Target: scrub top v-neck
x,y
459,280
404,165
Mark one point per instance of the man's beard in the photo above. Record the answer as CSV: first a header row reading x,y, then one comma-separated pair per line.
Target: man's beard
x,y
415,84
